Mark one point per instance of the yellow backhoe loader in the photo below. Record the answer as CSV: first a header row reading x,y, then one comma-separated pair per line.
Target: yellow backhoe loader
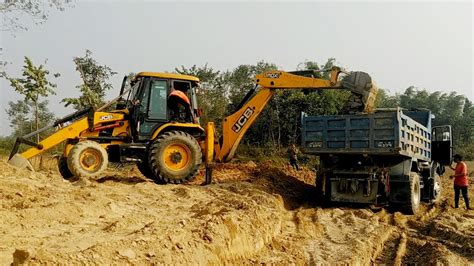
x,y
155,124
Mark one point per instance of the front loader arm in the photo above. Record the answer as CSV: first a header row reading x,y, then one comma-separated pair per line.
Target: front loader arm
x,y
69,132
81,123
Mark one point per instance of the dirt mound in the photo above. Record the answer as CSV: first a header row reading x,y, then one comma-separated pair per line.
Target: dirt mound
x,y
250,214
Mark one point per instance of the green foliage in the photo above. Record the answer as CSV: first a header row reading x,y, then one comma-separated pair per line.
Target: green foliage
x,y
384,100
6,145
32,86
95,82
20,121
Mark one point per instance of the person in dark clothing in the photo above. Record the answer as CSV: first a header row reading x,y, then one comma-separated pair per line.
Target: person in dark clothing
x,y
293,156
460,181
180,106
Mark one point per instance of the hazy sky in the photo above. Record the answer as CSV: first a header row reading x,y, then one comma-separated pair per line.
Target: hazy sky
x,y
427,45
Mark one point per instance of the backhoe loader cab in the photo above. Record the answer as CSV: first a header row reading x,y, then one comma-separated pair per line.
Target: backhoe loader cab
x,y
156,99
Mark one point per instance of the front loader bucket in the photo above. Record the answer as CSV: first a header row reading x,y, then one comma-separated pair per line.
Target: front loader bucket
x,y
19,161
364,91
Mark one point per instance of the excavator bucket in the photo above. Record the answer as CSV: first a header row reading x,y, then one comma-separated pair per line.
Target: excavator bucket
x,y
364,91
19,161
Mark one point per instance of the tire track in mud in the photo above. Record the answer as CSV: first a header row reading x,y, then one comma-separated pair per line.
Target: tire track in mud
x,y
422,239
394,250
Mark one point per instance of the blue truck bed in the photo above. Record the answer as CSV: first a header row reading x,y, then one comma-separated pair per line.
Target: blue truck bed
x,y
393,132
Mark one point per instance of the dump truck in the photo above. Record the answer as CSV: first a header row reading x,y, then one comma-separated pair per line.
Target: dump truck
x,y
154,122
392,156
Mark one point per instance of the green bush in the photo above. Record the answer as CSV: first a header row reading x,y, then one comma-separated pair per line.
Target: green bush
x,y
6,145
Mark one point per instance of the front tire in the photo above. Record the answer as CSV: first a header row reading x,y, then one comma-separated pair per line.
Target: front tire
x,y
174,157
88,159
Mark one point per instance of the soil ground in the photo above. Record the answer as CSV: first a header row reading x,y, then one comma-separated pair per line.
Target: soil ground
x,y
251,214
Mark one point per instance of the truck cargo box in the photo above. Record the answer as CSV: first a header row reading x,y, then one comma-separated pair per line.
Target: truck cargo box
x,y
393,132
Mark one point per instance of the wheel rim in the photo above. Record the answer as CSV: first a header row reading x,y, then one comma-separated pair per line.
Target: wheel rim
x,y
91,160
177,156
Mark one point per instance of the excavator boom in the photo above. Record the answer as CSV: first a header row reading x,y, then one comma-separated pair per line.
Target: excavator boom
x,y
360,84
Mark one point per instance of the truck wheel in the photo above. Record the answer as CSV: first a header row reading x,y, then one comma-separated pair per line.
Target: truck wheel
x,y
436,189
64,169
87,158
414,203
175,157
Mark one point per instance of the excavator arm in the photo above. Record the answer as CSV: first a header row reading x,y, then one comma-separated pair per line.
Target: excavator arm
x,y
235,125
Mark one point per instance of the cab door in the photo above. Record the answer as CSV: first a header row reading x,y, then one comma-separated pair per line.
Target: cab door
x,y
153,107
442,145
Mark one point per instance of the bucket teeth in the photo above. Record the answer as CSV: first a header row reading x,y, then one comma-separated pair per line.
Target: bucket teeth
x,y
19,161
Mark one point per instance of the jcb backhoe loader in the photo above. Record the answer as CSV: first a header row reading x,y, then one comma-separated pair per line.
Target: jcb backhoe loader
x,y
155,124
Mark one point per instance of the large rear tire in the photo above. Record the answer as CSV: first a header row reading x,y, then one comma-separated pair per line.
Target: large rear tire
x,y
174,157
146,171
64,169
88,159
413,205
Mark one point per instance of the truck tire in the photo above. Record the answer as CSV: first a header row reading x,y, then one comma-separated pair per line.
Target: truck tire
x,y
174,157
413,204
436,189
87,158
64,169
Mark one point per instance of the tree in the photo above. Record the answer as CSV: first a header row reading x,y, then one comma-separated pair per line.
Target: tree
x,y
20,121
38,10
95,82
33,86
18,115
384,100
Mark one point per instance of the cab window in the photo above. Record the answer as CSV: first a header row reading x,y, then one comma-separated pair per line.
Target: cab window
x,y
157,103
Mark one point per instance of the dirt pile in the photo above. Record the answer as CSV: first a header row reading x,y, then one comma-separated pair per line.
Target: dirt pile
x,y
250,214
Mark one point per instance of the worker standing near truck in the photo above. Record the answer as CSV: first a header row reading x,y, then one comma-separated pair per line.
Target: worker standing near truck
x,y
460,181
293,156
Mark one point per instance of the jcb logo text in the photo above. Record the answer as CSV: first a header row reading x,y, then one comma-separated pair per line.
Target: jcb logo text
x,y
242,120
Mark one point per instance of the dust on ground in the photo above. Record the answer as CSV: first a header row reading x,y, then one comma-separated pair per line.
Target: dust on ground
x,y
250,214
